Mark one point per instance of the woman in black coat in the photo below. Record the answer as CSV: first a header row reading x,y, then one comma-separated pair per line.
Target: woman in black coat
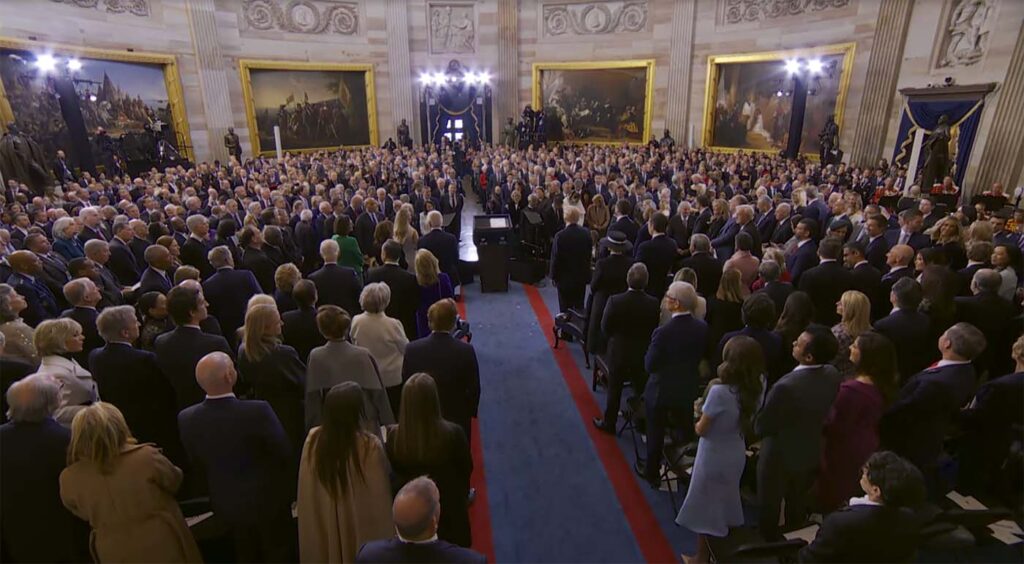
x,y
425,444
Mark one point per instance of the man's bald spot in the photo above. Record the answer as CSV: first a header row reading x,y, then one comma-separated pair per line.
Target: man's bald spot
x,y
905,253
416,504
213,373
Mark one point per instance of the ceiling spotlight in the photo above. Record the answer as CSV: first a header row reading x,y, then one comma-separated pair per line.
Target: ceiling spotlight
x,y
425,78
792,66
92,97
815,66
46,63
471,78
439,78
485,77
74,65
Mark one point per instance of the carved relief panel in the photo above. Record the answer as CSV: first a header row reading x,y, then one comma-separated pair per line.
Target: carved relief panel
x,y
562,19
731,12
963,33
134,7
451,27
312,17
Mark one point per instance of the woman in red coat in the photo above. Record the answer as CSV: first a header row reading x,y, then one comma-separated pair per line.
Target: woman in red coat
x,y
850,432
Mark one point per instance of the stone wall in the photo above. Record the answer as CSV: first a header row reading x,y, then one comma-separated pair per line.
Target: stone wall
x,y
505,37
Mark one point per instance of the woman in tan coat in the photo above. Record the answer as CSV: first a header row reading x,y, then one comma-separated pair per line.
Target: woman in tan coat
x,y
344,489
125,491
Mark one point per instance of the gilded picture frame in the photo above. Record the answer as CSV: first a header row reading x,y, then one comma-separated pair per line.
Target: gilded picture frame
x,y
169,63
714,69
647,65
248,66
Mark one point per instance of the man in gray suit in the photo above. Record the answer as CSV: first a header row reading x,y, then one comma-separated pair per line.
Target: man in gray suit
x,y
789,425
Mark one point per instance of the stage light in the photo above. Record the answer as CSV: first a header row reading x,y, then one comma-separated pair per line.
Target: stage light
x,y
74,65
485,77
439,78
92,97
815,66
471,78
779,93
792,66
425,78
46,63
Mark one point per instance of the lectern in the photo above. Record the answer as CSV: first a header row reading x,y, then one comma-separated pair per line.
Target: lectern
x,y
491,237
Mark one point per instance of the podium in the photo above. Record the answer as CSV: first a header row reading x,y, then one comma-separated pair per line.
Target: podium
x,y
491,237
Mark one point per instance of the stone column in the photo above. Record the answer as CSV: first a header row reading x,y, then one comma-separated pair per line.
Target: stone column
x,y
213,82
880,83
1003,159
680,70
403,96
506,83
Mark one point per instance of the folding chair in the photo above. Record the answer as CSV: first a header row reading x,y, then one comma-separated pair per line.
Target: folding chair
x,y
573,324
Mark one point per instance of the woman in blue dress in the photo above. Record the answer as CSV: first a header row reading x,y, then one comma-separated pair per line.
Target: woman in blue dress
x,y
712,503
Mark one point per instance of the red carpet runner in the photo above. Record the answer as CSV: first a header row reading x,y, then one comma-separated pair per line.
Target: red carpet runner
x,y
479,512
649,536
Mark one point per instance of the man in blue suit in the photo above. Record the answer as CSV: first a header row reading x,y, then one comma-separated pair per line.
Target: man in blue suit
x,y
228,291
658,254
876,246
915,424
804,255
570,262
417,512
242,449
157,276
672,359
42,304
909,232
816,210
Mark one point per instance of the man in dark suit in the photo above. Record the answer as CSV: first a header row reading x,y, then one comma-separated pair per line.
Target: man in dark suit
x,y
451,363
55,273
622,222
759,316
908,329
443,245
659,254
335,284
680,225
417,513
366,224
91,225
244,452
35,525
878,527
876,247
804,255
909,232
25,280
779,292
979,253
451,204
865,278
156,277
707,267
629,320
789,425
178,351
83,295
725,243
131,379
898,260
992,315
783,224
915,424
299,329
766,219
817,211
608,280
139,243
307,242
826,282
62,170
570,262
672,361
196,247
228,291
405,293
122,259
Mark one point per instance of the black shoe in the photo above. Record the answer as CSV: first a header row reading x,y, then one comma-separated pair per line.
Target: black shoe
x,y
600,425
641,470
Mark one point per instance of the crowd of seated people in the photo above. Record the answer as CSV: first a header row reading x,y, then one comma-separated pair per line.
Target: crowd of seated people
x,y
312,297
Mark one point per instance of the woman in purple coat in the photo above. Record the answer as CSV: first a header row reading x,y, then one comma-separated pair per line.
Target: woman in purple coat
x,y
850,432
434,287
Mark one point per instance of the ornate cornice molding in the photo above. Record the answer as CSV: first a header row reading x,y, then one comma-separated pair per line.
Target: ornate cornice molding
x,y
312,17
747,11
594,18
134,7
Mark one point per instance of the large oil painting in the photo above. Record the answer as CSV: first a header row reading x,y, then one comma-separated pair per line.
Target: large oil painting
x,y
126,94
749,103
596,102
316,106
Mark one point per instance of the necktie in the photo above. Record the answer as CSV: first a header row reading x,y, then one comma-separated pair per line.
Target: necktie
x,y
904,237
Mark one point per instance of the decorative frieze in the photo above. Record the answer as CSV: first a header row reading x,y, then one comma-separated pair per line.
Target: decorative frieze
x,y
134,7
452,27
302,16
594,18
965,37
746,11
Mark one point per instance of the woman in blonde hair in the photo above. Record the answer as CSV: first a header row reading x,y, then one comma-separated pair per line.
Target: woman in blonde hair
x,y
948,234
285,278
57,341
434,287
125,491
406,234
273,370
854,311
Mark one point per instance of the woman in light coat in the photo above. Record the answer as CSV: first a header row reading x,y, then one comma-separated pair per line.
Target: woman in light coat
x,y
344,487
18,334
125,491
383,336
340,361
56,340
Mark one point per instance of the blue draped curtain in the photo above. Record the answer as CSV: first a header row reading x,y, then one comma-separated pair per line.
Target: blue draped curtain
x,y
964,116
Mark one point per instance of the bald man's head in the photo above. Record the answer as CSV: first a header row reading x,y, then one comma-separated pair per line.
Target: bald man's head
x,y
25,262
417,509
900,255
215,374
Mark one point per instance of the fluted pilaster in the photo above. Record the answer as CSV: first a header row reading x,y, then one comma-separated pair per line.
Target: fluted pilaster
x,y
880,83
1004,149
403,96
677,118
213,79
506,84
